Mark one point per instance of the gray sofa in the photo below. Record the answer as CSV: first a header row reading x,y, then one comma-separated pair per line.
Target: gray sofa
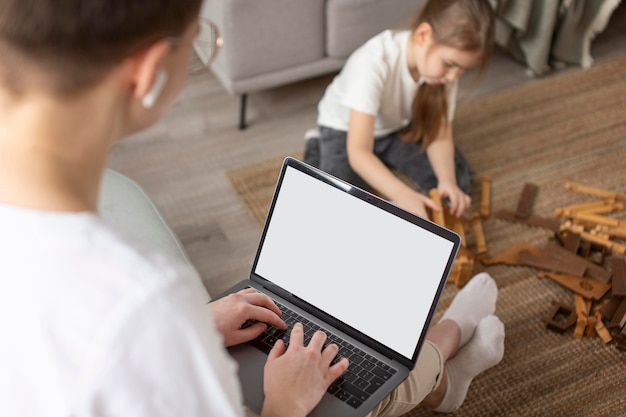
x,y
269,43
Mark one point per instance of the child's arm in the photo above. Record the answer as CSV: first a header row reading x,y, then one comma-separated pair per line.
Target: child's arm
x,y
441,156
360,146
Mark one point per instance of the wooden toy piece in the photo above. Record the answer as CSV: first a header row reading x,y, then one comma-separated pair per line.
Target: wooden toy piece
x,y
571,227
607,243
479,236
579,188
510,254
601,329
581,316
546,223
589,268
614,231
459,227
526,201
595,219
619,316
608,310
587,287
462,268
568,210
606,209
618,282
485,197
590,330
438,216
550,263
561,317
570,241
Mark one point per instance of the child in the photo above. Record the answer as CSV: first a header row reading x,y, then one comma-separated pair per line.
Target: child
x,y
393,103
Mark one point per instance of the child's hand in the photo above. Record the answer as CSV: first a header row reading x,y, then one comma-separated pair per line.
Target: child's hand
x,y
459,201
417,203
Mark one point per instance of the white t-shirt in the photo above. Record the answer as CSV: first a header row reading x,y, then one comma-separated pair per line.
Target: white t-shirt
x,y
92,326
376,80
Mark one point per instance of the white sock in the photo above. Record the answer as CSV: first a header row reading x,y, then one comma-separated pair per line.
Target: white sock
x,y
482,352
475,301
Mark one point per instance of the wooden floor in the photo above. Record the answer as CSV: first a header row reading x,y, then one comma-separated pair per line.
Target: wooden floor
x,y
198,141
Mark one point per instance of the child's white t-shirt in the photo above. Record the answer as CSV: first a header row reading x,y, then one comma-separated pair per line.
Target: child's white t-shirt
x,y
376,80
93,325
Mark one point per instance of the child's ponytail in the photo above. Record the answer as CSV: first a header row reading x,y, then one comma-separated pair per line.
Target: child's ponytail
x,y
428,112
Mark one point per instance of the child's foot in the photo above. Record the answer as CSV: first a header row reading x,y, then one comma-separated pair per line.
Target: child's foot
x,y
312,147
482,352
475,301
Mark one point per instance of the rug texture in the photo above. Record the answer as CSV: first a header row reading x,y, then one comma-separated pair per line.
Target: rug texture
x,y
571,127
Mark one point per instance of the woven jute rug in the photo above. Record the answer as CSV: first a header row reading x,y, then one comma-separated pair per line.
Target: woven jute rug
x,y
569,127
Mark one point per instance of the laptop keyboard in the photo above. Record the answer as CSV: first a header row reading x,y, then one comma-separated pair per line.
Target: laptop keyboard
x,y
362,378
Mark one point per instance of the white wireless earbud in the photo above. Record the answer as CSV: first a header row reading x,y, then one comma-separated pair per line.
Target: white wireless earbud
x,y
157,88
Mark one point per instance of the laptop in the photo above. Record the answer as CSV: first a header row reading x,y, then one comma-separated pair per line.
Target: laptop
x,y
369,274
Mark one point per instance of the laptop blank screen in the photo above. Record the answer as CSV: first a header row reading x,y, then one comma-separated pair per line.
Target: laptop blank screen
x,y
355,261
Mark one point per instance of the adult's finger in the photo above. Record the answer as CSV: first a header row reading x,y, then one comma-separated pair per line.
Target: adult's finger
x,y
297,335
317,341
259,299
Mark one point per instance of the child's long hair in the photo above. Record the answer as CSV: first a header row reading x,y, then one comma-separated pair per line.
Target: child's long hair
x,y
466,25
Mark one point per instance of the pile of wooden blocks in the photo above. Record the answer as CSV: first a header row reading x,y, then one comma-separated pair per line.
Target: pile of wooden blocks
x,y
586,239
463,266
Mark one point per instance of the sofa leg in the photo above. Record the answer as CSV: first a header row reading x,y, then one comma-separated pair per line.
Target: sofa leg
x,y
242,112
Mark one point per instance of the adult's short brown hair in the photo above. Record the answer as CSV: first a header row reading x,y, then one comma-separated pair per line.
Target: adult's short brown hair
x,y
77,41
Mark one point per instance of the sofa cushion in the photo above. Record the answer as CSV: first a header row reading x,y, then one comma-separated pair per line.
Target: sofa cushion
x,y
263,36
350,23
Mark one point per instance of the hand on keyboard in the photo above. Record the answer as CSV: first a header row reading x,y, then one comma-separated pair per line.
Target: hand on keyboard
x,y
229,313
305,372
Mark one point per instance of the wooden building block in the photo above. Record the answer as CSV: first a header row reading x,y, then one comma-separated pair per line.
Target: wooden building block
x,y
570,241
607,243
438,216
619,316
568,210
602,331
585,189
582,316
582,306
466,266
459,227
546,223
608,310
590,330
485,197
618,281
606,209
510,254
591,269
587,287
550,263
596,219
614,231
581,325
526,201
561,317
479,236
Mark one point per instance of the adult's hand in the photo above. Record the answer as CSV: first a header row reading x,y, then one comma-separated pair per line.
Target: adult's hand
x,y
296,378
231,312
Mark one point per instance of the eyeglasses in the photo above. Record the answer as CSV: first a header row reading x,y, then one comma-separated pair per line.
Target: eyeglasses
x,y
208,41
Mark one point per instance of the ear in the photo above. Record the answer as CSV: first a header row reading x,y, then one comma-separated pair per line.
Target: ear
x,y
146,67
423,34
